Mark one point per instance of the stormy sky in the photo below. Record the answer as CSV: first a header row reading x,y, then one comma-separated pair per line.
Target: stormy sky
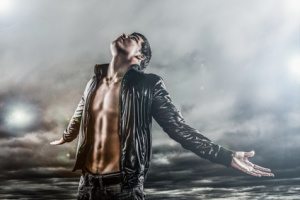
x,y
232,68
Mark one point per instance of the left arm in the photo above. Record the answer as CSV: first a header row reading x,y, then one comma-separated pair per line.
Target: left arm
x,y
172,122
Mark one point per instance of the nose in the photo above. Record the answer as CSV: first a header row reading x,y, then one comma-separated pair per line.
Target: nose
x,y
124,35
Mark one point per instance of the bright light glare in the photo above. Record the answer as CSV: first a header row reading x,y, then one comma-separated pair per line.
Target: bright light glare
x,y
5,5
19,117
294,67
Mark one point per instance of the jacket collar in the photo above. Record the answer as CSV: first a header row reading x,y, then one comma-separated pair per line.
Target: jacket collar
x,y
101,69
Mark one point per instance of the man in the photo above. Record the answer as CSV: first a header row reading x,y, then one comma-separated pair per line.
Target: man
x,y
114,119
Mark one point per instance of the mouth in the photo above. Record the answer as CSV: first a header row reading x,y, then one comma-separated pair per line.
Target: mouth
x,y
122,37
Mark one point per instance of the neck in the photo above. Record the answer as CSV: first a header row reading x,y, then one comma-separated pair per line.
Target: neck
x,y
118,66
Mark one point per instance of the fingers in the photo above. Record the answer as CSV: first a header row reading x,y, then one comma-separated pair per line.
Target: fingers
x,y
244,168
249,168
262,168
257,167
250,172
262,173
241,162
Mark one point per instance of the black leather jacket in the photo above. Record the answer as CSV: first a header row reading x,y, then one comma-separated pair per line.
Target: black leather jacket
x,y
142,96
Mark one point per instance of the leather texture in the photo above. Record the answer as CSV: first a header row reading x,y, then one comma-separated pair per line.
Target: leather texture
x,y
142,96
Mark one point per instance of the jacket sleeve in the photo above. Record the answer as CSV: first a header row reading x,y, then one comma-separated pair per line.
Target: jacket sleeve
x,y
72,130
172,122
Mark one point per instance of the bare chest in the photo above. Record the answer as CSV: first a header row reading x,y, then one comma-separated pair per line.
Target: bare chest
x,y
106,98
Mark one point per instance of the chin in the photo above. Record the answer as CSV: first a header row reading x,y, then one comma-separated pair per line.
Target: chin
x,y
116,49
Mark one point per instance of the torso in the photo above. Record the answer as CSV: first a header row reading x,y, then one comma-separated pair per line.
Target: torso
x,y
104,154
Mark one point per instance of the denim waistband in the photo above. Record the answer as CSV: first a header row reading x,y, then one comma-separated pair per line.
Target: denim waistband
x,y
110,174
110,178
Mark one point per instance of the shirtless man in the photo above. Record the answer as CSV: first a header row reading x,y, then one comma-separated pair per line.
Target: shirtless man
x,y
104,154
102,160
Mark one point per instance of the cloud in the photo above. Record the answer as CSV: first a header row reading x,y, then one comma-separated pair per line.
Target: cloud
x,y
33,151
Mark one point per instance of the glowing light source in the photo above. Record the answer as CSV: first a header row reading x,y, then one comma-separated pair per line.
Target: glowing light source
x,y
5,6
20,117
294,67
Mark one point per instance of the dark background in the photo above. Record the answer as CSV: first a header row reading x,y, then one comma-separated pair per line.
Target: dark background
x,y
232,68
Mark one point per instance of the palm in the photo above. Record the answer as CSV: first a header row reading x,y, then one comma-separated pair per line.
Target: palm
x,y
240,162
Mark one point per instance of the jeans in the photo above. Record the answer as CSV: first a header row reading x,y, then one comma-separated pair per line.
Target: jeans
x,y
91,187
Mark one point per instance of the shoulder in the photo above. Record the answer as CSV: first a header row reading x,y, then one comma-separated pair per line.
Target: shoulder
x,y
156,80
153,78
145,78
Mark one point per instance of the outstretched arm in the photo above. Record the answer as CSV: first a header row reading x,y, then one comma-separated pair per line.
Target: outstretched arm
x,y
72,130
173,123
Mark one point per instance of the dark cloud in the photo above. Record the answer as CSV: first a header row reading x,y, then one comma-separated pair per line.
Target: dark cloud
x,y
18,107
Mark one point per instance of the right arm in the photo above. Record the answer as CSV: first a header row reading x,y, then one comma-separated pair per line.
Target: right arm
x,y
72,130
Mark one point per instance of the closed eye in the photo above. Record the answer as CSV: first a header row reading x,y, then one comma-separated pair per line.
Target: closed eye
x,y
134,37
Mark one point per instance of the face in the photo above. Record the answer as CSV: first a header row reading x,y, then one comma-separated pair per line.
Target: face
x,y
128,45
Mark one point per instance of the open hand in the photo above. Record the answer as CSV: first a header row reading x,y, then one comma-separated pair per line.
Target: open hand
x,y
58,142
240,161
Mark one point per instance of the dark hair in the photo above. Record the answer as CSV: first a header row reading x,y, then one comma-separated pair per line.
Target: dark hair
x,y
145,49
